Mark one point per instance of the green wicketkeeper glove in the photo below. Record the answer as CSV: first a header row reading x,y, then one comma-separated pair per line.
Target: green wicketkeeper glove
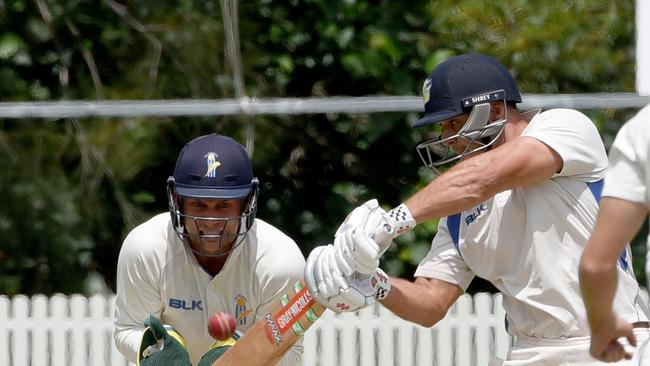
x,y
218,349
161,345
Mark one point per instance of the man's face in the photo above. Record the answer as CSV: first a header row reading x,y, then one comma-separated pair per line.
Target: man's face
x,y
451,127
444,145
209,227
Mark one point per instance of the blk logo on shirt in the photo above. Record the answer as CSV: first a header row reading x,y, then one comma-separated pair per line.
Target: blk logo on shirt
x,y
185,304
476,213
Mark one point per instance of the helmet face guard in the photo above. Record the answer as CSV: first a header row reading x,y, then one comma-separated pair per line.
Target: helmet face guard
x,y
478,131
469,83
232,230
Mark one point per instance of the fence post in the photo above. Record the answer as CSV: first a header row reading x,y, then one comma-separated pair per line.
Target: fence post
x,y
386,342
59,312
348,338
405,340
484,338
20,347
464,345
444,346
39,330
77,341
425,347
310,344
502,339
327,354
116,357
98,330
5,328
367,336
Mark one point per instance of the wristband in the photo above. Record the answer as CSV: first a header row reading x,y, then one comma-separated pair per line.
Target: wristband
x,y
402,219
382,284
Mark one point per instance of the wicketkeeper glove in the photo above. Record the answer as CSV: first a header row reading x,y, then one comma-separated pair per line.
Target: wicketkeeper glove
x,y
367,233
161,345
338,292
218,349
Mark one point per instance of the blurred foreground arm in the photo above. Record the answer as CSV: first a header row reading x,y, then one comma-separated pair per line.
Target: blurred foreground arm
x,y
618,221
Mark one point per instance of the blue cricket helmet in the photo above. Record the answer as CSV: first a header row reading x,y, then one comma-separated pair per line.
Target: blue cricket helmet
x,y
448,90
213,166
459,85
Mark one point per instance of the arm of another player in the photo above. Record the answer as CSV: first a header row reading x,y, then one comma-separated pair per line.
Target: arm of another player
x,y
424,301
618,221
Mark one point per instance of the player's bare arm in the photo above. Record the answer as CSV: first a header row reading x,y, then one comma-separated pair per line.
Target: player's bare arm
x,y
618,221
424,301
520,162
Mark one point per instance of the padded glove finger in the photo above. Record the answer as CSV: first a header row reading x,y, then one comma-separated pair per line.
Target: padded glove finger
x,y
333,279
356,252
218,349
310,276
161,345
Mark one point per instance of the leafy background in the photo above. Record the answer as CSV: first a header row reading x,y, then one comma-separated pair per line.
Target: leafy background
x,y
72,189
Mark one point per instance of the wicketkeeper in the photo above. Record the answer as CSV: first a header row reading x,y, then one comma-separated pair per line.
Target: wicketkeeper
x,y
209,253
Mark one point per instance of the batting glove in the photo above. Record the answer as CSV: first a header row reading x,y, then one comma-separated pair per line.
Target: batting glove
x,y
340,293
161,345
367,233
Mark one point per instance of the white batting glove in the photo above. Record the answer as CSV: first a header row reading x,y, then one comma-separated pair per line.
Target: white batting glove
x,y
341,293
322,274
367,233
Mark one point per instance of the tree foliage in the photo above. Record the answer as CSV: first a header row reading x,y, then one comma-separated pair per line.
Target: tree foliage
x,y
72,189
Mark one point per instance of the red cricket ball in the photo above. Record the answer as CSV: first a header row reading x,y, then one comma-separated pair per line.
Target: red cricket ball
x,y
221,326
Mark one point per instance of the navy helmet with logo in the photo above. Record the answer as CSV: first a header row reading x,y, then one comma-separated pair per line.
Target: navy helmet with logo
x,y
213,167
459,85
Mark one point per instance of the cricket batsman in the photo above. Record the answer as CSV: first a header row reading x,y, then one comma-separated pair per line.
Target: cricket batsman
x,y
516,208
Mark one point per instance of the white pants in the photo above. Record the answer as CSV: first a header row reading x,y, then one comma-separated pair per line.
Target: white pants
x,y
567,352
642,354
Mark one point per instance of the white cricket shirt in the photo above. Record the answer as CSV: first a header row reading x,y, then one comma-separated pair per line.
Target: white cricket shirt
x,y
158,274
628,176
528,241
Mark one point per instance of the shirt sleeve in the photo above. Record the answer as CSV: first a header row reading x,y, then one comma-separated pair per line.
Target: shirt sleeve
x,y
138,293
444,262
626,175
574,137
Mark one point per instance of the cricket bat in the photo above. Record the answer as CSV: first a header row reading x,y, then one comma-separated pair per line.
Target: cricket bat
x,y
271,336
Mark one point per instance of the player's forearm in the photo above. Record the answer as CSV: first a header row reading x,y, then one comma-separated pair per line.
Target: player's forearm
x,y
598,283
618,221
421,301
517,163
459,189
598,278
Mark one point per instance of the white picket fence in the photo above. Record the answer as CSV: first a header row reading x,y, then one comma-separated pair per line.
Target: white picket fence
x,y
76,331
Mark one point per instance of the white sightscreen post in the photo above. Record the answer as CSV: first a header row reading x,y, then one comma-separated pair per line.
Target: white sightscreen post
x,y
643,47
